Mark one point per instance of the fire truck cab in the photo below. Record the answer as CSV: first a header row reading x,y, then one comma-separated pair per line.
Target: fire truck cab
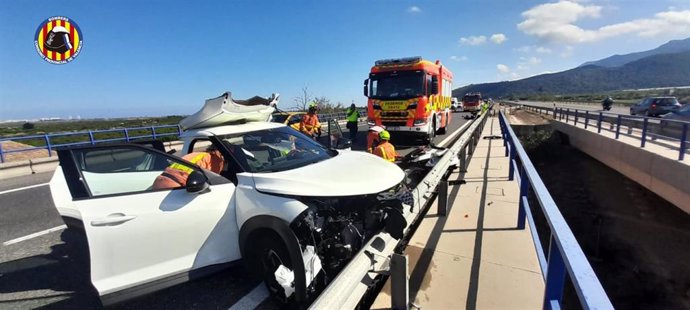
x,y
409,95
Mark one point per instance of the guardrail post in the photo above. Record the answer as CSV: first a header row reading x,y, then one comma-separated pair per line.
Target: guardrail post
x,y
93,141
599,123
554,112
511,167
524,189
179,131
586,119
576,116
555,276
400,285
153,132
2,155
463,159
618,126
48,146
126,135
683,144
643,139
442,207
567,115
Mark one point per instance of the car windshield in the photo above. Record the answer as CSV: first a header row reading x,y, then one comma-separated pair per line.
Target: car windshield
x,y
397,85
279,118
273,150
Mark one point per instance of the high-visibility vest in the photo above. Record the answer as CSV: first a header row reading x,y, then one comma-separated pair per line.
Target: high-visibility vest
x,y
352,115
310,122
385,150
195,158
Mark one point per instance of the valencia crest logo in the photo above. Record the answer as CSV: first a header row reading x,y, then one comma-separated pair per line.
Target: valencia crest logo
x,y
58,40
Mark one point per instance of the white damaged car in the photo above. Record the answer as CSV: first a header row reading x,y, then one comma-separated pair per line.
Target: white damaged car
x,y
293,210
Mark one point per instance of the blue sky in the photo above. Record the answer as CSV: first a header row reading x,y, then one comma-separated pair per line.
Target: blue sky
x,y
150,58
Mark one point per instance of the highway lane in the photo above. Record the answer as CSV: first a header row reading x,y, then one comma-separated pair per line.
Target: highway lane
x,y
51,270
593,107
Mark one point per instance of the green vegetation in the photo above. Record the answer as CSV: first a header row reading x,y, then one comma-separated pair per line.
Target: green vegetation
x,y
620,97
77,130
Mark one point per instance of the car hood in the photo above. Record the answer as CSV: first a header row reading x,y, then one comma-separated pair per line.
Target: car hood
x,y
347,174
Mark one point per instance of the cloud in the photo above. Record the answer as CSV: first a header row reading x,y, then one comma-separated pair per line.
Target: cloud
x,y
503,68
556,23
498,38
458,58
529,48
567,52
533,61
414,9
473,40
542,50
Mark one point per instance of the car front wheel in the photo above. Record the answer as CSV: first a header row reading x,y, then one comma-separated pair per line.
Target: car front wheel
x,y
267,255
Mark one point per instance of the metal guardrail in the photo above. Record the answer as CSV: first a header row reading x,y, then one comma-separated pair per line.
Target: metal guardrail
x,y
90,137
123,135
649,128
564,253
348,288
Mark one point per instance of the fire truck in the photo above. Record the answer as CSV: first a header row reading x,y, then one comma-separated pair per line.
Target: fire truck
x,y
409,95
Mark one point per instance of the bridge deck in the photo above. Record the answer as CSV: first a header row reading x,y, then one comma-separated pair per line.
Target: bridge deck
x,y
475,257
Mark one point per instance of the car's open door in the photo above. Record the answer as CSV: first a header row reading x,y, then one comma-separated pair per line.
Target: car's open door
x,y
140,232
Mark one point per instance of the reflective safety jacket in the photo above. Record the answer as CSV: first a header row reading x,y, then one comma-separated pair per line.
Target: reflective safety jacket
x,y
385,150
310,124
352,115
371,140
176,174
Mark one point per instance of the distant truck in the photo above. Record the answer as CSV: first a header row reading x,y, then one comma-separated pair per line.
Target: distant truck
x,y
409,95
471,102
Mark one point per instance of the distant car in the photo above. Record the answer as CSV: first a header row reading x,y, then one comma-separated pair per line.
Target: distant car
x,y
655,106
291,119
455,105
668,126
682,114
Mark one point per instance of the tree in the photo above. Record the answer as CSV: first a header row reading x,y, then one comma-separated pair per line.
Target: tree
x,y
28,126
326,107
302,101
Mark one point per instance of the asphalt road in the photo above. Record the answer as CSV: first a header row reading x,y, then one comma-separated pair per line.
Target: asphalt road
x,y
50,271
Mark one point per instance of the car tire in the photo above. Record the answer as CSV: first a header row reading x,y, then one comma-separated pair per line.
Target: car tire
x,y
267,254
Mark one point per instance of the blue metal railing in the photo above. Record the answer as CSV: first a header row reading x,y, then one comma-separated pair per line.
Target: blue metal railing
x,y
564,252
673,131
89,137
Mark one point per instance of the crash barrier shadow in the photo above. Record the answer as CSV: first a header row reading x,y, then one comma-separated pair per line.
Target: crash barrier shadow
x,y
353,282
51,142
564,252
670,133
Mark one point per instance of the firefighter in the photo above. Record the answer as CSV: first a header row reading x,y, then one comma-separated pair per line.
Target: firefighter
x,y
385,149
352,116
176,175
310,125
373,137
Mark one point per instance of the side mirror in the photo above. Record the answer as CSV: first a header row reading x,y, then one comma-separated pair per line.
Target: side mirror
x,y
366,88
196,182
434,85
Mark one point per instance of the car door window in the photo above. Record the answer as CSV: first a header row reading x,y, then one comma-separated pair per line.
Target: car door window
x,y
127,169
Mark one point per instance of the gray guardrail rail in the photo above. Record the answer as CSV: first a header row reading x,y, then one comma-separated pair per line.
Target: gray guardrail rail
x,y
348,288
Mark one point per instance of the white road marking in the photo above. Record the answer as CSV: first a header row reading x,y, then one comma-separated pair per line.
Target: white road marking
x,y
451,136
23,188
253,299
34,235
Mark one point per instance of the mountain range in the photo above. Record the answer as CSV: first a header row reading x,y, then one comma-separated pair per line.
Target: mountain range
x,y
665,66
